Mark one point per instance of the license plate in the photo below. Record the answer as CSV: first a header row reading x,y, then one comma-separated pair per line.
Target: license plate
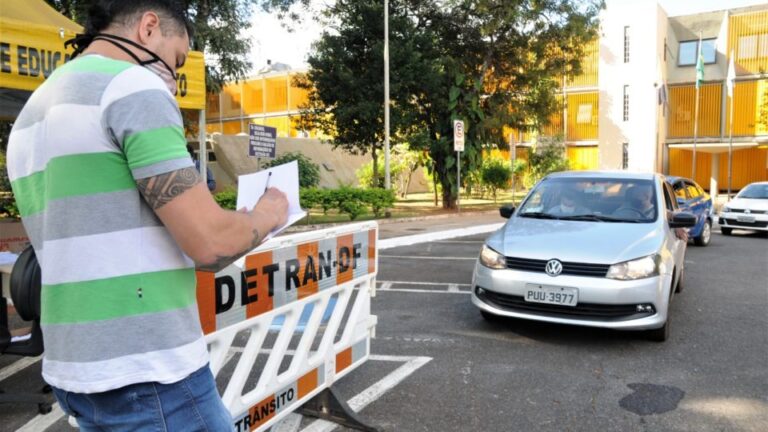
x,y
551,295
744,218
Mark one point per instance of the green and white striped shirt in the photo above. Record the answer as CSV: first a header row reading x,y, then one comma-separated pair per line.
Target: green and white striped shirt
x,y
118,297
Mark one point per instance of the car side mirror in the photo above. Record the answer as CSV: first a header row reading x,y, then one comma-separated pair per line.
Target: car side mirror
x,y
682,220
506,211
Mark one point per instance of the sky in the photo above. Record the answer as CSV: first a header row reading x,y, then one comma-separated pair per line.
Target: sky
x,y
271,41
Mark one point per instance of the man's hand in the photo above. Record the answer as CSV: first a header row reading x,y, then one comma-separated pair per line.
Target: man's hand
x,y
682,234
272,208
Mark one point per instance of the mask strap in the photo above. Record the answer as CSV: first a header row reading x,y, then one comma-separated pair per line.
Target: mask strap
x,y
155,57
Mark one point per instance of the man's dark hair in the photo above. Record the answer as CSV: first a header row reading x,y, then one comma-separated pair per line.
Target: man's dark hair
x,y
104,13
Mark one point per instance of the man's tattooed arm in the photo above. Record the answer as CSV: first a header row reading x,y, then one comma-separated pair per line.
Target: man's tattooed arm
x,y
161,189
223,261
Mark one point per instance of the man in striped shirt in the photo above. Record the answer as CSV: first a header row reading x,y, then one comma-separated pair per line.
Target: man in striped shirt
x,y
119,219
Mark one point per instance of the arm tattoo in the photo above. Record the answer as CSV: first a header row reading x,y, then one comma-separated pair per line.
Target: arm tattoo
x,y
161,189
223,261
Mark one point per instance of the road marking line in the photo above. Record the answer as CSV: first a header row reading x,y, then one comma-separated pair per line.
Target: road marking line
x,y
477,242
440,235
42,422
17,366
426,291
290,423
410,257
385,285
422,283
374,392
453,288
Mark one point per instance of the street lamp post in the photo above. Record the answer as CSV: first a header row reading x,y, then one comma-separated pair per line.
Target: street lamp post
x,y
387,183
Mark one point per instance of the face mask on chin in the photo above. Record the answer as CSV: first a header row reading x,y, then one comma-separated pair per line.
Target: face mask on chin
x,y
155,64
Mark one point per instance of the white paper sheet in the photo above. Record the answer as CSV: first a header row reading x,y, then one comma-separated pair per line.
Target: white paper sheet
x,y
251,187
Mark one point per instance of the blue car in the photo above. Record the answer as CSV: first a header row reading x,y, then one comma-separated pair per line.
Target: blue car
x,y
691,198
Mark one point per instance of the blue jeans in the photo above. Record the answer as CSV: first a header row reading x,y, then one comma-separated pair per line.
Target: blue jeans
x,y
192,404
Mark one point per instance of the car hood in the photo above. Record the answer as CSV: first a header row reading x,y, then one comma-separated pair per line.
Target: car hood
x,y
576,241
748,203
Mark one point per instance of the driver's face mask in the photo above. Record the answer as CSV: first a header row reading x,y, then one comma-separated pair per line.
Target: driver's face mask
x,y
155,64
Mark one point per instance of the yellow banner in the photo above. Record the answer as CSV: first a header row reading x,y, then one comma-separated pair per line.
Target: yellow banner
x,y
29,53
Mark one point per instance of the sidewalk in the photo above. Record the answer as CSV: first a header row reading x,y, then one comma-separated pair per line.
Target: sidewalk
x,y
391,228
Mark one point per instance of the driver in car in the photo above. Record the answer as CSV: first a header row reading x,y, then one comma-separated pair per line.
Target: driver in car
x,y
640,203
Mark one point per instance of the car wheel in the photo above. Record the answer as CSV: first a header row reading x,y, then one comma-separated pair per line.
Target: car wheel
x,y
726,231
680,282
705,236
660,334
489,316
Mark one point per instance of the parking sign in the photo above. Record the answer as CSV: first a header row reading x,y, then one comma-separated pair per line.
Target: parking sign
x,y
458,135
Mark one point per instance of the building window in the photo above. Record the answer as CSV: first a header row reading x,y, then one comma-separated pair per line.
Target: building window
x,y
625,156
626,44
690,49
626,103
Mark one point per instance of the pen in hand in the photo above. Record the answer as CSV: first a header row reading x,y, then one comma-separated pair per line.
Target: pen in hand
x,y
266,186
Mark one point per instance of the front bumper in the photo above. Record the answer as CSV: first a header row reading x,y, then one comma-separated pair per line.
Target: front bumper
x,y
602,302
756,222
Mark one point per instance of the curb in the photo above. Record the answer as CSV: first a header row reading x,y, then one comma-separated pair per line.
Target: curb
x,y
303,228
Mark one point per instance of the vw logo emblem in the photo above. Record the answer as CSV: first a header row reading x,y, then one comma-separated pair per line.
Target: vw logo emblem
x,y
747,211
553,267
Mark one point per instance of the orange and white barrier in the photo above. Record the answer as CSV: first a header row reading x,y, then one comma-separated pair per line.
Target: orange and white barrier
x,y
303,303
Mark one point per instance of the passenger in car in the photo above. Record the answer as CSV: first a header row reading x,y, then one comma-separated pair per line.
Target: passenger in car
x,y
570,204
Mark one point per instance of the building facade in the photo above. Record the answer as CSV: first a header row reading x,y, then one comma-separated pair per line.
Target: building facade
x,y
632,107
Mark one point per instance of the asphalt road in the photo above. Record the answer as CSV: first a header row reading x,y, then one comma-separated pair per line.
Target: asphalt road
x,y
712,375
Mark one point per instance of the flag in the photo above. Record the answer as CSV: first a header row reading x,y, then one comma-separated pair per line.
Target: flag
x,y
731,78
662,98
699,66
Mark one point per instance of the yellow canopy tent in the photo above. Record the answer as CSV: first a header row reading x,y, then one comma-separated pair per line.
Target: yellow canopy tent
x,y
32,36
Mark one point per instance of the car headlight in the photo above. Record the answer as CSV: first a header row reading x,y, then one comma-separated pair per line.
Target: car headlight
x,y
726,209
635,269
492,259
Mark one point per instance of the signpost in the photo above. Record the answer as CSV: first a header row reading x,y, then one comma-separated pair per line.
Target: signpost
x,y
262,142
458,147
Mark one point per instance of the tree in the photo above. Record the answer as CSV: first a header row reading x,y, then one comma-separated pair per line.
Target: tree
x,y
496,173
491,63
309,172
345,85
548,156
217,32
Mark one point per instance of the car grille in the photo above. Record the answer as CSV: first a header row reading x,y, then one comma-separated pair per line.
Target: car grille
x,y
591,311
569,268
757,224
751,211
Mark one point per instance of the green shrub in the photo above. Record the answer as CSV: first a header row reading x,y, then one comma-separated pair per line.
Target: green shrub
x,y
496,174
309,172
379,199
548,156
227,199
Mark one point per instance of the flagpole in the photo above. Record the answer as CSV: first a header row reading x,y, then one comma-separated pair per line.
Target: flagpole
x,y
730,84
699,77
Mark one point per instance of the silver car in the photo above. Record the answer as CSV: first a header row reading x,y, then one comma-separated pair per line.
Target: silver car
x,y
748,210
599,249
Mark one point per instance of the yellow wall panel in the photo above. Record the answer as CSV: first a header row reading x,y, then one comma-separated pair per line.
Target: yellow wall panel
x,y
253,97
749,165
281,123
230,100
582,158
299,98
277,93
589,66
681,162
582,116
750,116
748,40
213,127
232,127
212,105
682,110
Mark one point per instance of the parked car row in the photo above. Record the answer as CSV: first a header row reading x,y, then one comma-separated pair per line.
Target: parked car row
x,y
602,249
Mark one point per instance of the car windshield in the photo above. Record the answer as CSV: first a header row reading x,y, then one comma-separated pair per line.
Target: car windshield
x,y
592,200
755,191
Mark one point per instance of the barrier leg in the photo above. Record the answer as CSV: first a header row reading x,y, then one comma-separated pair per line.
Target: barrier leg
x,y
328,406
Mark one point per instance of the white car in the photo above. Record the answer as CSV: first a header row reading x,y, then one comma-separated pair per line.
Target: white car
x,y
748,210
595,249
